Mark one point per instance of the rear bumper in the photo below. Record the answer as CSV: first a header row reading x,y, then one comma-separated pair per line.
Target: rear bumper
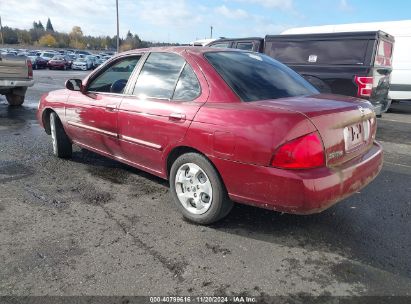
x,y
57,66
299,191
9,84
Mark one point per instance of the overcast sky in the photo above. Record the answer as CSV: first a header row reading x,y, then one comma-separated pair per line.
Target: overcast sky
x,y
187,20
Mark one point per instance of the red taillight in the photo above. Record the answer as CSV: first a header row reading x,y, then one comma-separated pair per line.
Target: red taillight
x,y
364,85
301,153
30,69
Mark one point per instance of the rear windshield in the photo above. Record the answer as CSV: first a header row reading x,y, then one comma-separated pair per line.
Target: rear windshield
x,y
350,52
255,76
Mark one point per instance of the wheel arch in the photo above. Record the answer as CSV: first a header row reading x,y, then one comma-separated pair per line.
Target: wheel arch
x,y
177,151
46,119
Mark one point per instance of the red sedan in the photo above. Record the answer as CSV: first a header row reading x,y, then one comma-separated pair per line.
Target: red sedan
x,y
222,126
59,62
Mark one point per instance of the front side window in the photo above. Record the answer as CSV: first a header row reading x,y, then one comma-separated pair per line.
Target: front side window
x,y
255,76
159,76
115,77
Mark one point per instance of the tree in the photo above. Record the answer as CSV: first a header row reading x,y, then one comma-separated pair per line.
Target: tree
x,y
10,35
76,37
24,36
48,40
129,35
40,26
49,26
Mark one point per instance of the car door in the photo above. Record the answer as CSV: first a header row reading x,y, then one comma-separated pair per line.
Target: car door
x,y
91,114
166,97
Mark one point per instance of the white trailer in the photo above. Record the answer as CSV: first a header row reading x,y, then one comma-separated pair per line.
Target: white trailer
x,y
400,88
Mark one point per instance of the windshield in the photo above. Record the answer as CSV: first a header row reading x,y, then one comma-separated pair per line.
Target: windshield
x,y
254,76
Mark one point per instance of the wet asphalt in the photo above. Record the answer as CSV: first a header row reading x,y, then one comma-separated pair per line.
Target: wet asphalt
x,y
93,226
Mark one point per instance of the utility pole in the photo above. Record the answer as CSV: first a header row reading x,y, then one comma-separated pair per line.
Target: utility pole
x,y
1,32
211,31
118,38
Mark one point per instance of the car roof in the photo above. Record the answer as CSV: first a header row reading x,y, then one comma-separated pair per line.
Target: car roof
x,y
179,49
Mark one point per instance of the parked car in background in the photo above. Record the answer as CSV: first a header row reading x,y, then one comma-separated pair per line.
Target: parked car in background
x,y
254,44
259,135
37,62
99,60
16,75
353,64
82,64
93,60
59,62
47,55
78,52
400,88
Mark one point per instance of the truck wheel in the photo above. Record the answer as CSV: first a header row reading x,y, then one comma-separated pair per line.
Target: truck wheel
x,y
14,100
198,190
62,146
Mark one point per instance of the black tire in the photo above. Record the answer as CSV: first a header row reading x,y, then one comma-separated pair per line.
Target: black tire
x,y
14,99
220,204
35,66
62,146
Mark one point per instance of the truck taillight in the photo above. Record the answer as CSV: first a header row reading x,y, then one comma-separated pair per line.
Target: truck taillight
x,y
30,69
364,85
301,153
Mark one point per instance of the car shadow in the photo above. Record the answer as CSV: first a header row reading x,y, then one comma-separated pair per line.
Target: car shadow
x,y
110,169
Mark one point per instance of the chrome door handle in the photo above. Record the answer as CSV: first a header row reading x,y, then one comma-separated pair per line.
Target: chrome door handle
x,y
177,116
111,107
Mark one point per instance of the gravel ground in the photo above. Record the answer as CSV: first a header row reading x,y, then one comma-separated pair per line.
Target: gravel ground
x,y
93,226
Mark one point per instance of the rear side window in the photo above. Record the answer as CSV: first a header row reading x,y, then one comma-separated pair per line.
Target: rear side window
x,y
246,46
187,88
221,45
258,77
159,75
384,54
318,52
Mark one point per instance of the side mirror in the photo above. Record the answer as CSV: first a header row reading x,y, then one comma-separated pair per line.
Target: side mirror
x,y
74,85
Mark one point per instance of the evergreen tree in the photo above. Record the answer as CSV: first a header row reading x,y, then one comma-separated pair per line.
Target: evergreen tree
x,y
49,26
40,26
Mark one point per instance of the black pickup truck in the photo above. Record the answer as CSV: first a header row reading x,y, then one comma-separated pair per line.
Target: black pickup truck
x,y
353,64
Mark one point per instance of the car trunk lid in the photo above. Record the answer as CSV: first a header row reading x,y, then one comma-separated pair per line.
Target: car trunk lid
x,y
347,125
13,67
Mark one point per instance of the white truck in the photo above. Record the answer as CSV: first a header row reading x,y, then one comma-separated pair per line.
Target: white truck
x,y
16,75
400,88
